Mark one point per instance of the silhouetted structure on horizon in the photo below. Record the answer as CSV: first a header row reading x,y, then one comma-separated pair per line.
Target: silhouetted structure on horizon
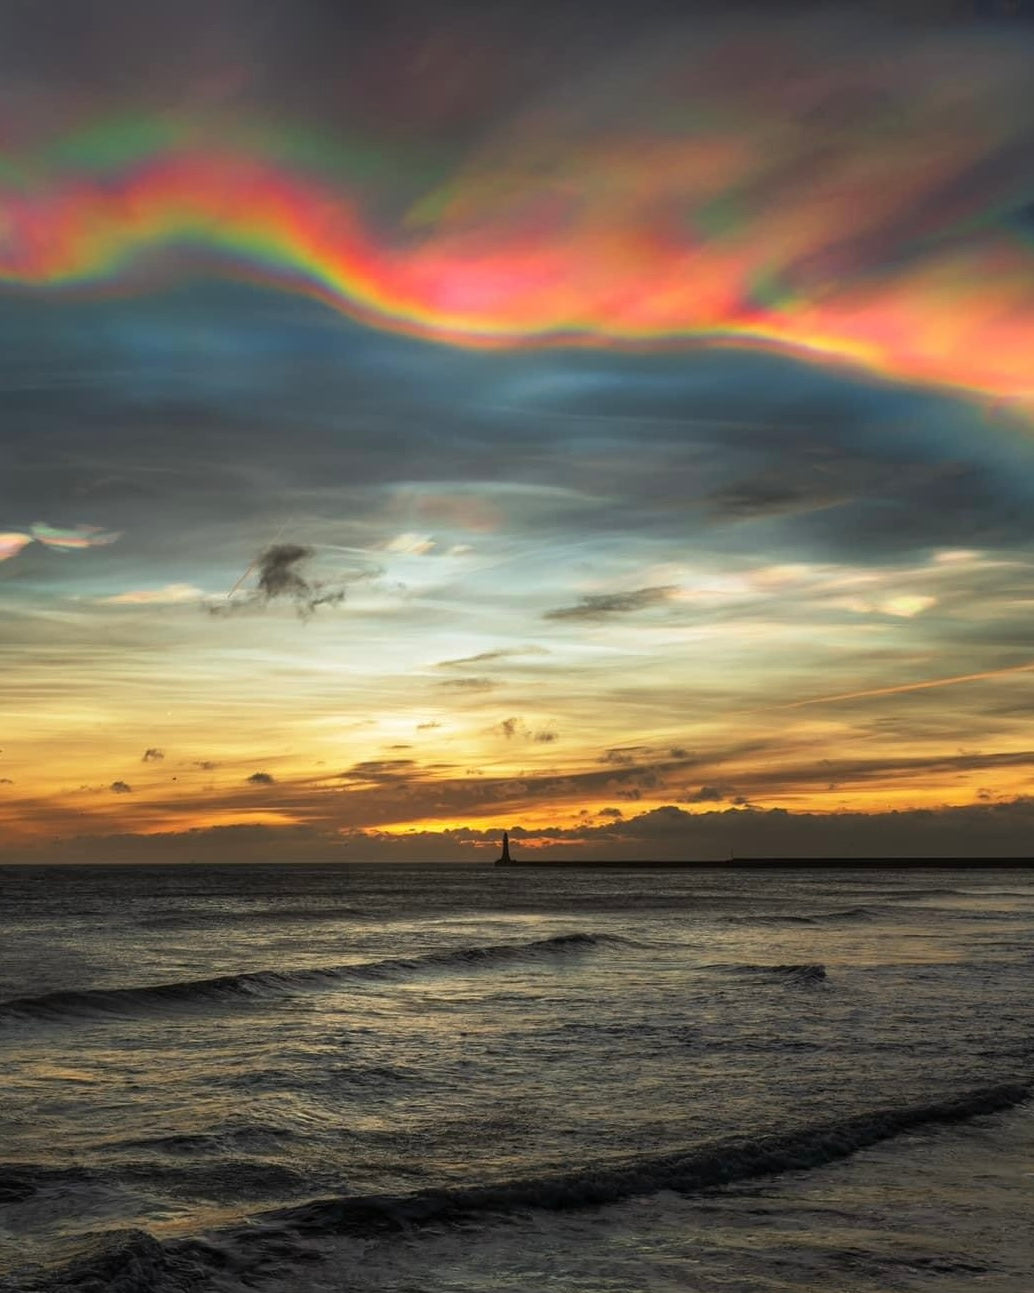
x,y
504,858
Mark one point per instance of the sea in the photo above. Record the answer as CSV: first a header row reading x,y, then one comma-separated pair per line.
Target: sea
x,y
456,1079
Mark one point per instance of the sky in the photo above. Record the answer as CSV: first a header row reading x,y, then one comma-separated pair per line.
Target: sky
x,y
614,424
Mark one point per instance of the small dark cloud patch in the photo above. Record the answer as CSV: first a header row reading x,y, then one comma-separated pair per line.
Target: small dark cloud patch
x,y
623,756
206,765
707,795
468,684
426,727
400,747
488,657
153,755
677,752
379,771
6,781
611,812
261,779
774,494
280,577
121,788
516,727
601,605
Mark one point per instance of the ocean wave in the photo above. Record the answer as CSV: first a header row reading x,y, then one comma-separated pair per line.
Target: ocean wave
x,y
862,913
270,985
209,1178
767,918
116,1261
806,973
192,919
687,1171
249,1137
934,891
135,1262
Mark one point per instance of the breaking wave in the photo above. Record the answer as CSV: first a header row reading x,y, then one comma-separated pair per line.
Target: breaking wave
x,y
135,1262
687,1171
856,913
271,985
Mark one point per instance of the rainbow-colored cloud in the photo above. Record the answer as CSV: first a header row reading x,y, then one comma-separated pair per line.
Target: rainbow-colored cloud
x,y
856,211
63,540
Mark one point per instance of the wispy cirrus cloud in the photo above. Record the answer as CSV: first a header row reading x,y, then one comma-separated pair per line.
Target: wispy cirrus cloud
x,y
168,595
490,657
598,606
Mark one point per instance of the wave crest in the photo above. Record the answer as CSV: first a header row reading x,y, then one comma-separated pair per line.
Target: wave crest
x,y
705,1167
135,1262
270,985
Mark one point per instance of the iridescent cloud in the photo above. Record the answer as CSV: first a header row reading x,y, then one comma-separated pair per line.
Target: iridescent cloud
x,y
12,543
81,536
848,204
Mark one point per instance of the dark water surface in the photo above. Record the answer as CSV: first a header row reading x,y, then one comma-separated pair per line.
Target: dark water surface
x,y
454,1078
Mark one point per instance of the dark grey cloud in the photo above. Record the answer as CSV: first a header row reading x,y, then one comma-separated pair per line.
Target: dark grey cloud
x,y
279,575
981,831
599,605
708,795
624,756
153,755
386,791
489,657
770,496
121,788
379,770
278,570
516,727
261,779
193,472
469,684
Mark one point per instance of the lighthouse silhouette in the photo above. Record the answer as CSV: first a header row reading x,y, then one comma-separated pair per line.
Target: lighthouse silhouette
x,y
504,858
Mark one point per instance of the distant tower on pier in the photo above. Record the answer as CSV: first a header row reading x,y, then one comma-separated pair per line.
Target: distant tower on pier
x,y
504,858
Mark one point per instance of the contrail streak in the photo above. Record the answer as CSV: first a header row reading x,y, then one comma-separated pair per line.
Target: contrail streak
x,y
909,686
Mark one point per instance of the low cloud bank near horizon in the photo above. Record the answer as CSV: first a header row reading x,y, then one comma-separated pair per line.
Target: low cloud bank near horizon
x,y
980,831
